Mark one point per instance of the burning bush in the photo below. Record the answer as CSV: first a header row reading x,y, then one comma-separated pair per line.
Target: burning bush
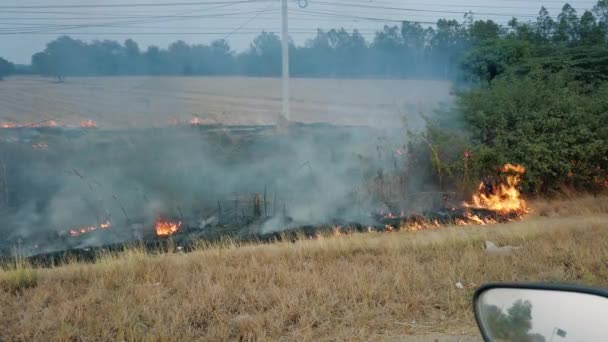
x,y
166,228
503,196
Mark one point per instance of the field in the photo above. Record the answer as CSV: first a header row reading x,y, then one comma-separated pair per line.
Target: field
x,y
373,286
155,101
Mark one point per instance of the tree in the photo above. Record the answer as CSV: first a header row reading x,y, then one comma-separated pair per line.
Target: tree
x,y
6,68
589,31
482,31
492,58
545,26
448,45
567,29
601,12
264,55
513,325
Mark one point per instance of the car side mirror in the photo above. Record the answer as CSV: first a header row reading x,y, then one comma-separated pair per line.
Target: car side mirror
x,y
541,313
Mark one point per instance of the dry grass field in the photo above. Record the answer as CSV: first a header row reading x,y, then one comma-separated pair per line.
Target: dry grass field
x,y
373,286
156,101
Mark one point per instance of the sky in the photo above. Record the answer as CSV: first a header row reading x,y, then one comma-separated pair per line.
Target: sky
x,y
27,25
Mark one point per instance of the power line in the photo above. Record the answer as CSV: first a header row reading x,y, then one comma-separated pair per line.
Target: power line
x,y
417,9
158,4
248,21
154,19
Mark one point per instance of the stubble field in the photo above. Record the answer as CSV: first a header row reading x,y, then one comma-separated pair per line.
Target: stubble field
x,y
156,101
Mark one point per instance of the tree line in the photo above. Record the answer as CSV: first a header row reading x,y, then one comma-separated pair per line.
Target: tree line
x,y
408,50
402,51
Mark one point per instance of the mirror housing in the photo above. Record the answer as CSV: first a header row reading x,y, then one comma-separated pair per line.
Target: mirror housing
x,y
541,313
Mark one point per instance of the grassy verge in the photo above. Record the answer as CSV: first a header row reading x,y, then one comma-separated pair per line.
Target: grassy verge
x,y
364,286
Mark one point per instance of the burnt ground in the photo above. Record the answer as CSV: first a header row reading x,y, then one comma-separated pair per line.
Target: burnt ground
x,y
246,183
54,180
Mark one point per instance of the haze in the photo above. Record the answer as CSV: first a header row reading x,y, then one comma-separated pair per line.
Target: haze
x,y
25,31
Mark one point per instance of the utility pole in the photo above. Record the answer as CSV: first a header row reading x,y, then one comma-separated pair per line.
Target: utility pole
x,y
285,61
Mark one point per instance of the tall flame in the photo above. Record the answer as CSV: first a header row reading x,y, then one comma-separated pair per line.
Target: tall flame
x,y
166,228
504,198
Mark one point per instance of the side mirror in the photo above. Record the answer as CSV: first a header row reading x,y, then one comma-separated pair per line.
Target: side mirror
x,y
541,313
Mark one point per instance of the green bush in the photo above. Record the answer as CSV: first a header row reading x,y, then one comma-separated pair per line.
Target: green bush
x,y
549,122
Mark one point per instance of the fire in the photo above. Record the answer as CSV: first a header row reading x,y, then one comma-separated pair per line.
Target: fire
x,y
166,228
87,229
503,198
46,123
196,121
88,124
7,125
82,230
49,123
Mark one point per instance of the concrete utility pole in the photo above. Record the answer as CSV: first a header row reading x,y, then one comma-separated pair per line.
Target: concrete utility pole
x,y
285,61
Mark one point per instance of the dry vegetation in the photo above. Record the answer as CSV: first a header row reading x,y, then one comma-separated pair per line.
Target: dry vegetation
x,y
365,286
155,101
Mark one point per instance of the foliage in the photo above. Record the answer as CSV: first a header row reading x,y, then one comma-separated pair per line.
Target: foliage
x,y
396,51
491,58
548,122
539,99
6,68
513,325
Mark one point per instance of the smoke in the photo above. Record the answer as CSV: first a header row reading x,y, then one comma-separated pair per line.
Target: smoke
x,y
207,176
313,174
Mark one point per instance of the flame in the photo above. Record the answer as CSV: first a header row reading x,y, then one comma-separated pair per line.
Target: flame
x,y
82,230
50,123
196,121
7,125
504,198
47,123
87,229
166,228
88,124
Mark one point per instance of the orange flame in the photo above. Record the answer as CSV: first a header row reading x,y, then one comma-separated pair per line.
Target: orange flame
x,y
166,228
7,125
88,124
82,230
87,229
504,198
196,121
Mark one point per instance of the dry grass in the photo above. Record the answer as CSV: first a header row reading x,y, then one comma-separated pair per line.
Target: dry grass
x,y
361,287
154,101
17,277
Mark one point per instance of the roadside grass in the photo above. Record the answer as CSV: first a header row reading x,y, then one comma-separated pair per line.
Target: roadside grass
x,y
17,277
372,286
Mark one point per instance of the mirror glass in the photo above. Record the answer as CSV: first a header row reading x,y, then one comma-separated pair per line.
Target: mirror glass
x,y
530,315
